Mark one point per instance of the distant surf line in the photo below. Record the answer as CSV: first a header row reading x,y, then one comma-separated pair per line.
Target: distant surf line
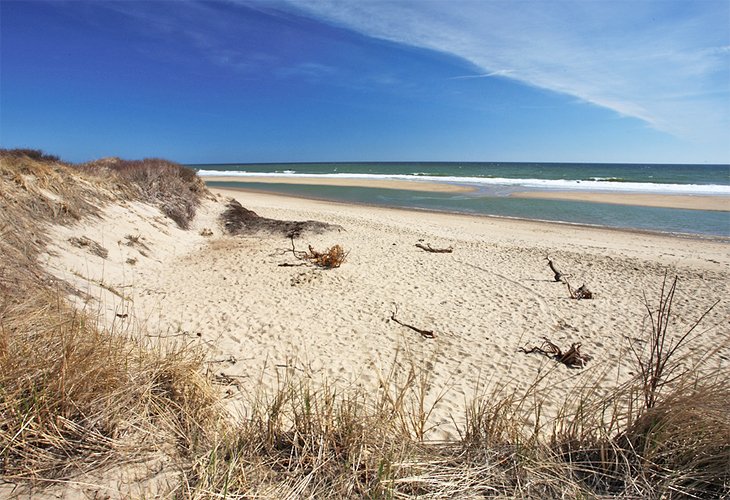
x,y
597,184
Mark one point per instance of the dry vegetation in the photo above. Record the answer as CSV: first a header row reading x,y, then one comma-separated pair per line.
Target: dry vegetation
x,y
240,220
76,398
176,190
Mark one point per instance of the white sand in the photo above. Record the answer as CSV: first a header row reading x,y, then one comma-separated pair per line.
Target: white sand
x,y
489,297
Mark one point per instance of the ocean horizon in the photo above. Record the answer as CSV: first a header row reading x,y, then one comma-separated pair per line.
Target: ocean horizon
x,y
492,183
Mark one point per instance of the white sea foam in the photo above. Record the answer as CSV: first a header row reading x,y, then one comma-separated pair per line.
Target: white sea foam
x,y
547,184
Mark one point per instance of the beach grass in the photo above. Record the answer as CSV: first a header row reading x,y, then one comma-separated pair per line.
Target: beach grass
x,y
76,398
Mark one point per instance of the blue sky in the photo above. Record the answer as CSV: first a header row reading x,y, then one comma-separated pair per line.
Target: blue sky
x,y
287,81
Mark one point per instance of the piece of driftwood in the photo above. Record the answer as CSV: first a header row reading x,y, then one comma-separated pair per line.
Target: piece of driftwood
x,y
558,275
427,247
572,358
579,293
426,334
239,220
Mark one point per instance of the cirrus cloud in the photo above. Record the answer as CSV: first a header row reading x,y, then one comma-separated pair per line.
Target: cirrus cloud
x,y
665,63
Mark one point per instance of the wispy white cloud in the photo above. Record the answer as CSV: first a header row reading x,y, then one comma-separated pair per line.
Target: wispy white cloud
x,y
666,63
499,72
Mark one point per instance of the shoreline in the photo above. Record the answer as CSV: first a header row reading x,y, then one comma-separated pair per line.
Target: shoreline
x,y
417,210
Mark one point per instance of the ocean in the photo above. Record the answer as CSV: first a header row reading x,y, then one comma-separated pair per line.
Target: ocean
x,y
494,182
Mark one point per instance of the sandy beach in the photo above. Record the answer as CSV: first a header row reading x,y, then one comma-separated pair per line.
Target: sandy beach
x,y
260,322
341,249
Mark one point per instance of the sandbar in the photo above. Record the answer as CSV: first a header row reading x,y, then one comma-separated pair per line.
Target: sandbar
x,y
414,185
688,202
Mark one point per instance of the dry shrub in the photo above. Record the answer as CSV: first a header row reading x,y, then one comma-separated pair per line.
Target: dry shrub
x,y
39,188
177,190
660,365
682,443
679,448
33,154
331,258
92,246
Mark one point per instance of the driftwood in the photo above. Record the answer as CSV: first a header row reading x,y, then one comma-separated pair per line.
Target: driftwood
x,y
426,334
429,248
572,358
297,253
239,220
558,275
579,293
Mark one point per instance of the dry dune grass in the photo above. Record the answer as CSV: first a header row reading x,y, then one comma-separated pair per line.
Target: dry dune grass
x,y
317,443
175,189
37,191
75,398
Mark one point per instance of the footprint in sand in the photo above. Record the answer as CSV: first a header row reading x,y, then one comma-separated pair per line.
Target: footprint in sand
x,y
304,278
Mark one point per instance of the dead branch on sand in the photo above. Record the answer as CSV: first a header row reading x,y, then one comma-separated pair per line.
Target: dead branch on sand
x,y
297,253
429,248
580,293
426,334
558,275
572,358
